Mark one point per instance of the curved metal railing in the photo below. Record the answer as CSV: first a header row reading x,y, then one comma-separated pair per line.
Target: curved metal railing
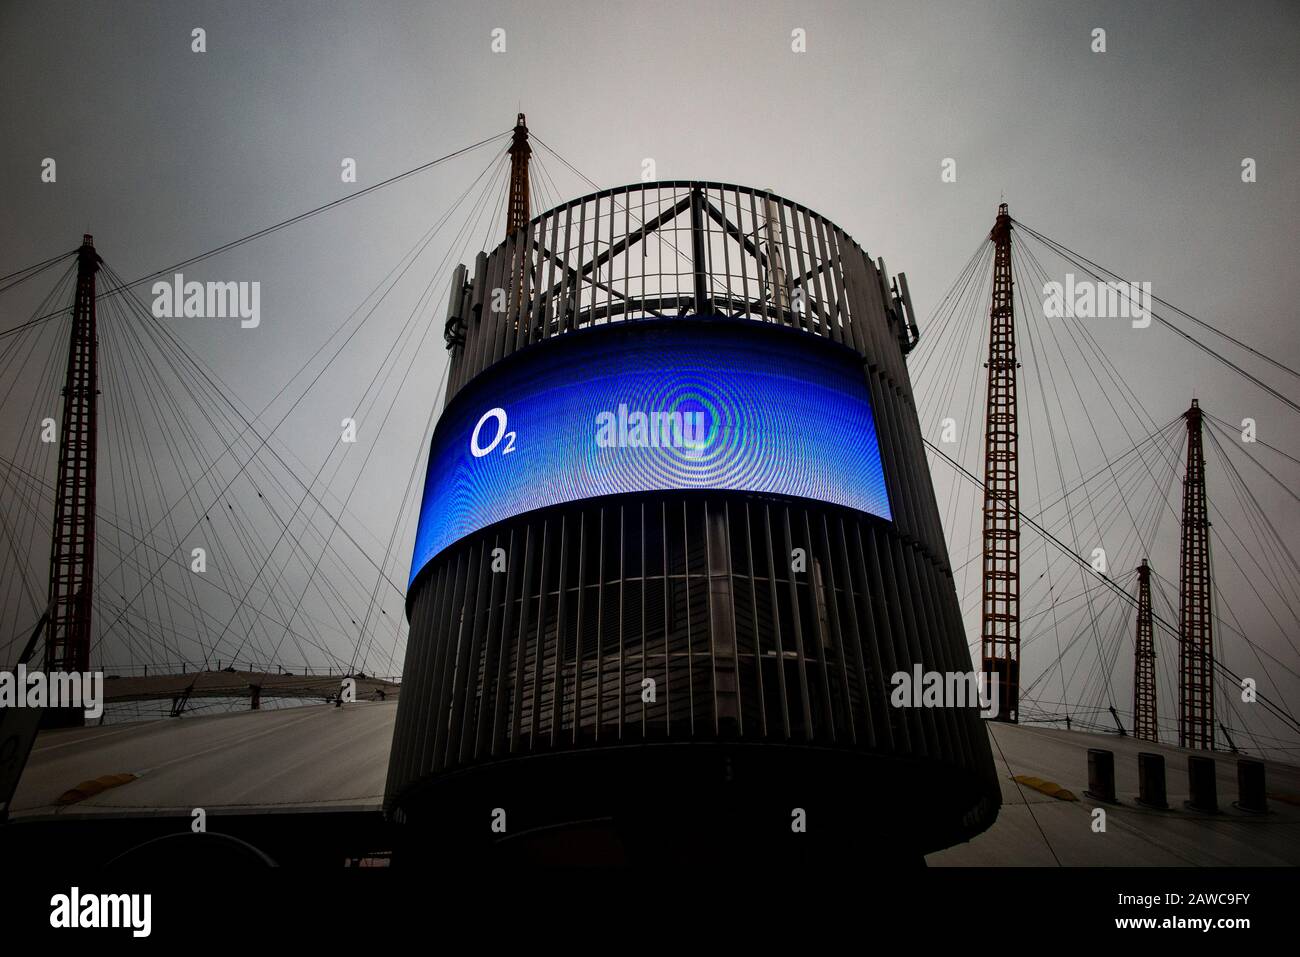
x,y
657,250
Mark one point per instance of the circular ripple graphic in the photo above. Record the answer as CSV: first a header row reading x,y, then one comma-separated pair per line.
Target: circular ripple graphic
x,y
703,404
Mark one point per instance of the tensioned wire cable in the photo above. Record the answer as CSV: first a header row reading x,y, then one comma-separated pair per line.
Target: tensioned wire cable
x,y
1109,466
950,378
267,230
1106,366
23,354
1137,406
1067,367
406,497
180,424
36,267
38,485
264,440
1274,549
10,365
943,314
1135,526
1162,434
953,354
1280,547
1087,567
417,311
197,454
1104,361
1234,481
411,325
1028,805
183,427
670,240
1033,449
122,285
471,224
1041,275
1258,441
1100,272
224,392
1065,250
1073,642
407,332
967,310
1223,624
1079,395
22,275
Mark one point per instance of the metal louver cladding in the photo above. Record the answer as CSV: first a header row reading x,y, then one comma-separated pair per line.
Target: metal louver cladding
x,y
682,671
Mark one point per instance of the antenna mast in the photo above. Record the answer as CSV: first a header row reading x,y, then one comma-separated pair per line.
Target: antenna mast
x,y
72,550
519,212
1000,616
1196,647
1144,663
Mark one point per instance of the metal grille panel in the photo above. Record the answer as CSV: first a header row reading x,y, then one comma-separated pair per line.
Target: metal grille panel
x,y
696,599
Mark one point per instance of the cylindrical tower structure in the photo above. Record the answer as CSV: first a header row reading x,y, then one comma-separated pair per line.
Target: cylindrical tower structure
x,y
678,540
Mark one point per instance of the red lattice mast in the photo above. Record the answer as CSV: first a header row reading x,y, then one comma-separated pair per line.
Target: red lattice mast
x,y
1195,628
519,211
1000,619
1144,662
72,552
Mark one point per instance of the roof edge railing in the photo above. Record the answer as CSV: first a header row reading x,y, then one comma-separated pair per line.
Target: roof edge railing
x,y
675,248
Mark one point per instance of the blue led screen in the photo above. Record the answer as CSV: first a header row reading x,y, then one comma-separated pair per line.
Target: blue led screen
x,y
651,406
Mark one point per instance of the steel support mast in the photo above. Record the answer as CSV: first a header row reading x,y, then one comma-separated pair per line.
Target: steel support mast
x,y
1195,628
519,211
72,551
1144,662
1000,616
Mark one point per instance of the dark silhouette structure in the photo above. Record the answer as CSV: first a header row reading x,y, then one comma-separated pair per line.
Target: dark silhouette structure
x,y
690,672
1000,615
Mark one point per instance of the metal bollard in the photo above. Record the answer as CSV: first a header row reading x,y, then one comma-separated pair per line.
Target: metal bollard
x,y
1151,780
1250,786
1201,784
1101,775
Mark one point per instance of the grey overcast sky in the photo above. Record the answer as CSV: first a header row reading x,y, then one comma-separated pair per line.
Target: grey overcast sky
x,y
1131,156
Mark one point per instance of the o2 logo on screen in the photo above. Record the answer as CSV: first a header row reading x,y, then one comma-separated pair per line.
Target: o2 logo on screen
x,y
714,406
499,416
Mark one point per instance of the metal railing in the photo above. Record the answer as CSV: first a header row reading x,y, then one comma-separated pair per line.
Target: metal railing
x,y
659,250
